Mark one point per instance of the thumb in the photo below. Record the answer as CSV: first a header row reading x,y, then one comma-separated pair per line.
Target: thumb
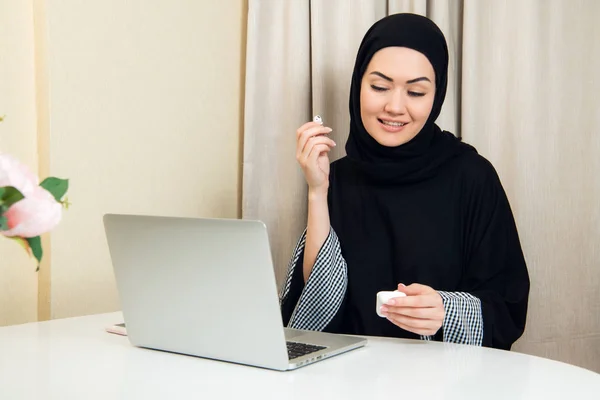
x,y
413,289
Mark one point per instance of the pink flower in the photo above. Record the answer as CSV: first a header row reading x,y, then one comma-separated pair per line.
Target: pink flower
x,y
38,212
13,173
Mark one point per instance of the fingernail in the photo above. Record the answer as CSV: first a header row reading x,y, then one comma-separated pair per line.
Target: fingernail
x,y
334,144
329,130
383,309
402,284
390,302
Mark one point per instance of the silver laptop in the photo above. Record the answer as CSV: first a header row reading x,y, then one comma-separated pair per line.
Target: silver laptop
x,y
206,287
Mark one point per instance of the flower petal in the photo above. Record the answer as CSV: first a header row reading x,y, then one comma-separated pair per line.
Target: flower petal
x,y
14,173
34,215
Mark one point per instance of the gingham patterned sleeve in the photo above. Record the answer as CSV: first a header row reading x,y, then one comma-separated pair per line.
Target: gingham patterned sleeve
x,y
324,291
463,322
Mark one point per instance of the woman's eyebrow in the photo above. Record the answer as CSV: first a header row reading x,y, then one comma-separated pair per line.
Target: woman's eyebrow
x,y
422,78
387,78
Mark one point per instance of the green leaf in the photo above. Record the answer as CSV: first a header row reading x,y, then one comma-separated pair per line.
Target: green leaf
x,y
3,222
9,195
22,242
33,246
56,186
35,243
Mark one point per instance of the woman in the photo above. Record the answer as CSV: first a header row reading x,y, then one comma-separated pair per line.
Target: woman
x,y
410,208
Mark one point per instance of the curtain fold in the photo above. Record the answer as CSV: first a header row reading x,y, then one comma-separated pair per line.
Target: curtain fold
x,y
278,101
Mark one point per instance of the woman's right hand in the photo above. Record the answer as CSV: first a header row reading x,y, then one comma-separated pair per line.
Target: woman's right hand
x,y
312,148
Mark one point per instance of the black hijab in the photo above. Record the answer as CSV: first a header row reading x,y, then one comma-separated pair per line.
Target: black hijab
x,y
431,211
430,148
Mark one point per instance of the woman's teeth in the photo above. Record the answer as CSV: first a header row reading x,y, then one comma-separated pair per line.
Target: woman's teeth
x,y
390,123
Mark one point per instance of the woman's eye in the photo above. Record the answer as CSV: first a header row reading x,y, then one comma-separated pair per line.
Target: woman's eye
x,y
415,94
378,88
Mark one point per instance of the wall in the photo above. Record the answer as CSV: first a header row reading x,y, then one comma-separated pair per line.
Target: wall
x,y
18,280
145,118
144,110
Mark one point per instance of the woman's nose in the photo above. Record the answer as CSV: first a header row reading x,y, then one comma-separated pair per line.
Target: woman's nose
x,y
396,103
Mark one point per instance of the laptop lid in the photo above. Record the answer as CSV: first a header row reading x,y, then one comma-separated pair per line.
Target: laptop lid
x,y
203,287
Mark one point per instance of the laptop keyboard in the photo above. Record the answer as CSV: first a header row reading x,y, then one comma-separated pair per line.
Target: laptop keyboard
x,y
296,349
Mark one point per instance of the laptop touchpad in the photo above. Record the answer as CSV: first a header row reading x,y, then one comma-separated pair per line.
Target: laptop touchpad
x,y
291,333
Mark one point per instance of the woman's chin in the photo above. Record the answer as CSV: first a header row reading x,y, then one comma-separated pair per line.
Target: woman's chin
x,y
393,139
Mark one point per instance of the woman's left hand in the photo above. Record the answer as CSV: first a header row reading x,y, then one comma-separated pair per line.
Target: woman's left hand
x,y
421,311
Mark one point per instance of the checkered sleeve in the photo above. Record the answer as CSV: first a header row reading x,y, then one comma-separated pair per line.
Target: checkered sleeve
x,y
325,288
463,322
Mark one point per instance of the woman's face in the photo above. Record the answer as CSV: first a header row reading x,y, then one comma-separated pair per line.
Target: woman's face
x,y
396,95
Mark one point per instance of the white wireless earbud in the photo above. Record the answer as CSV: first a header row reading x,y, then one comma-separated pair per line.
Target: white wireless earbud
x,y
318,119
383,297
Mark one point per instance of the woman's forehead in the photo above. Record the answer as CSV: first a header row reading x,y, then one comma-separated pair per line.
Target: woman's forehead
x,y
400,63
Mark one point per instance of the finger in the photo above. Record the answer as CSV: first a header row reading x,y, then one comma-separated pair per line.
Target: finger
x,y
426,330
299,133
316,141
426,300
306,126
316,130
310,133
316,152
415,323
434,313
307,136
414,289
405,327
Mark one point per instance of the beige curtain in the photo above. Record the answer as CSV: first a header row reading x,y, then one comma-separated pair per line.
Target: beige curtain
x,y
522,89
530,104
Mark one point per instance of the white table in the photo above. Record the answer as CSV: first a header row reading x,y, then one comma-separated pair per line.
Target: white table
x,y
75,358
